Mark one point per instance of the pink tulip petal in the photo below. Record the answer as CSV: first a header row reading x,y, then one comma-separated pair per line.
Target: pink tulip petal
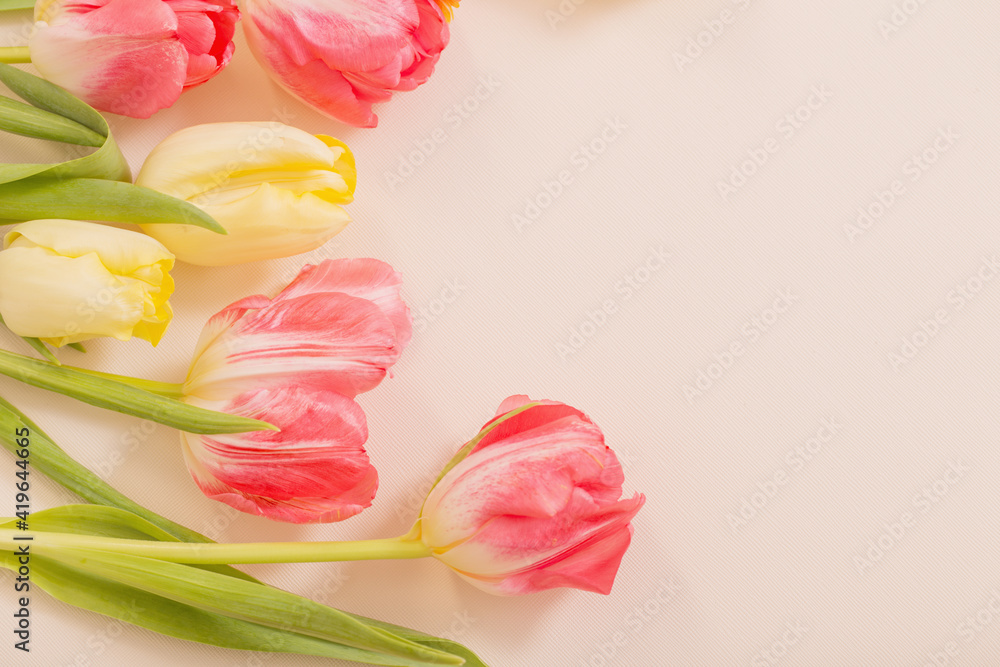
x,y
591,569
545,413
535,505
314,469
345,34
330,341
123,57
364,278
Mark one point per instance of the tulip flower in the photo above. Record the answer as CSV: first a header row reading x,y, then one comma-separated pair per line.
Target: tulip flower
x,y
533,502
276,190
341,57
297,361
132,57
66,281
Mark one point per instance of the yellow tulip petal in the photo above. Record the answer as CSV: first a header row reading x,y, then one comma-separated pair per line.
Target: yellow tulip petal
x,y
122,251
272,222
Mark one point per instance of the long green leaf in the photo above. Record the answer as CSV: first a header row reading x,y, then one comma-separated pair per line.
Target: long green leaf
x,y
51,460
120,397
247,601
113,522
8,5
35,197
82,588
24,119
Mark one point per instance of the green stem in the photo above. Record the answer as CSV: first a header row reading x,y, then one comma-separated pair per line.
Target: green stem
x,y
168,389
14,54
220,554
121,397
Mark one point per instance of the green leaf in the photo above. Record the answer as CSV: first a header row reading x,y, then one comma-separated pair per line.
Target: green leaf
x,y
250,602
26,120
440,643
8,5
51,460
106,162
120,397
113,522
36,197
81,587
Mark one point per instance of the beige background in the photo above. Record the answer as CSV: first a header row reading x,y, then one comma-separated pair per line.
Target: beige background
x,y
811,500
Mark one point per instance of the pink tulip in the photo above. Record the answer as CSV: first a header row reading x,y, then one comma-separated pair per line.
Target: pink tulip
x,y
340,57
132,57
297,361
535,504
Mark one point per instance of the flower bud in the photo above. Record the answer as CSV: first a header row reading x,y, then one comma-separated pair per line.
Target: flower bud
x,y
66,281
532,503
132,57
274,188
341,57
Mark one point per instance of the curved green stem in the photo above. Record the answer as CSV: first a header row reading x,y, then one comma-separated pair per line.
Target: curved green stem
x,y
221,554
14,54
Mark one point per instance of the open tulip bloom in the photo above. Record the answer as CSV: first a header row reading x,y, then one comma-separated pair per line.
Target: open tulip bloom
x,y
297,361
533,502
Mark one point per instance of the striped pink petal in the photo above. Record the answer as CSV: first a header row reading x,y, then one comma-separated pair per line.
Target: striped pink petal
x,y
315,469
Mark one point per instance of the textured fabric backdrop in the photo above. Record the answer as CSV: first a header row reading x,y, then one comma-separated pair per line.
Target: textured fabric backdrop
x,y
756,240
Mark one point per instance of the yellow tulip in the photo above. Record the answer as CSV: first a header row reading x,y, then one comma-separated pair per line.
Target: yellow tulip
x,y
65,281
276,190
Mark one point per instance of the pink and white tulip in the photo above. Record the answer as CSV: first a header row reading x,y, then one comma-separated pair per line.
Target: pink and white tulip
x,y
297,361
534,504
340,57
132,57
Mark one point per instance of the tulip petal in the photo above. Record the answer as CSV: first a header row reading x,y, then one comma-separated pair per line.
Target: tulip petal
x,y
342,56
122,57
122,251
227,152
345,34
363,278
592,566
314,470
330,341
270,222
545,413
534,505
66,281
